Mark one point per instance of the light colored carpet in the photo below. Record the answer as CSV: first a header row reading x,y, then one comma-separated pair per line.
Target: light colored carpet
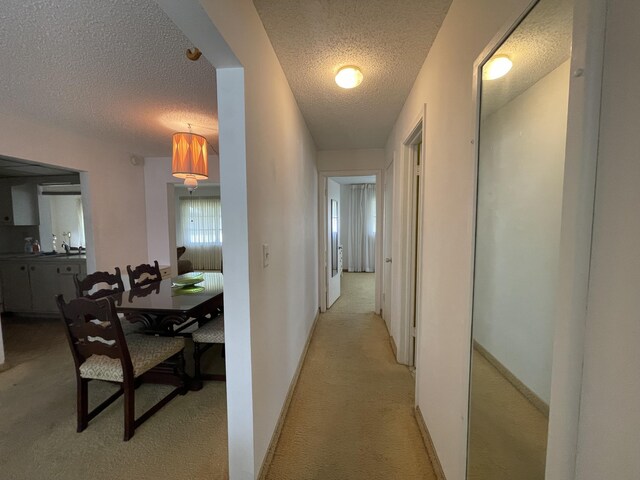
x,y
357,294
187,439
508,434
351,415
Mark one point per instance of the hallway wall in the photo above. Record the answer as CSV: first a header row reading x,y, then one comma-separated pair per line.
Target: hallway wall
x,y
350,160
445,85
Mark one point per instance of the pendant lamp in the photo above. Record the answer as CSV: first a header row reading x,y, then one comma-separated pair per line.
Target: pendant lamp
x,y
190,160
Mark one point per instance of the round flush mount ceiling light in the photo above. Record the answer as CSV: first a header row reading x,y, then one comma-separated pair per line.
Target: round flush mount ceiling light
x,y
349,77
497,67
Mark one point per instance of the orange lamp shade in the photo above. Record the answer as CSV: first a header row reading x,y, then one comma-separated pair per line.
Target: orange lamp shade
x,y
190,156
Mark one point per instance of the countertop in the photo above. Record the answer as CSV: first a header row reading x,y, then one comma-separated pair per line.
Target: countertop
x,y
39,257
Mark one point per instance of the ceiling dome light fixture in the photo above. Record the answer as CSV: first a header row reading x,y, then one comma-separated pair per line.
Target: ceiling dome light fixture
x,y
497,67
349,77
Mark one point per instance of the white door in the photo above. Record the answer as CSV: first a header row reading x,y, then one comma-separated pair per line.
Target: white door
x,y
386,232
333,242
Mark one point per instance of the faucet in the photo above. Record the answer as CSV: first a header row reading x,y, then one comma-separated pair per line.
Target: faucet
x,y
66,247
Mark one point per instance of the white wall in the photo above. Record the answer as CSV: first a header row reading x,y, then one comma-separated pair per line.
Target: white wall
x,y
445,85
350,160
609,428
114,188
522,149
282,208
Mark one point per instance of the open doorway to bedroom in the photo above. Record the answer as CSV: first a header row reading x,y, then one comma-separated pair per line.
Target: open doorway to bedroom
x,y
351,243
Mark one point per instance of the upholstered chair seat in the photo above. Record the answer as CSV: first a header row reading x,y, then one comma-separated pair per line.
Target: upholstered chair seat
x,y
205,337
211,332
145,351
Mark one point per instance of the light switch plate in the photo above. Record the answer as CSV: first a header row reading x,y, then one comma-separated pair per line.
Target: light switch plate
x,y
265,255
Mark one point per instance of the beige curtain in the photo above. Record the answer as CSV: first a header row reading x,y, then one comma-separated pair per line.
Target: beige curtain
x,y
361,233
200,230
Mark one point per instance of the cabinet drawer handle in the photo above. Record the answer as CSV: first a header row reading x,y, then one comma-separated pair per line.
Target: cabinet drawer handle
x,y
68,269
33,268
22,267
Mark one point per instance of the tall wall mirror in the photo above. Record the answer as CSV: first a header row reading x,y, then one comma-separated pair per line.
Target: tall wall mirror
x,y
521,152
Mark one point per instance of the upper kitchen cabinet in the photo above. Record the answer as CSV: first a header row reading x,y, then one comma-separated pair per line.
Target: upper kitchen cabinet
x,y
19,204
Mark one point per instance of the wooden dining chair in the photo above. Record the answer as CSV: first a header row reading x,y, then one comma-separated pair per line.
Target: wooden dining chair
x,y
209,334
112,283
102,352
144,274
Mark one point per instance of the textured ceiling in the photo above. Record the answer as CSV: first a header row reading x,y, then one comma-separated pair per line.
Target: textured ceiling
x,y
540,44
389,41
113,69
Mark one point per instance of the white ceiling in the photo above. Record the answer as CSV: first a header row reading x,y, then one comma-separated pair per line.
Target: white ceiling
x,y
388,40
113,69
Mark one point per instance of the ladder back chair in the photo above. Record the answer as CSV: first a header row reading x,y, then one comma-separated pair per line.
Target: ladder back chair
x,y
102,352
111,284
144,274
112,281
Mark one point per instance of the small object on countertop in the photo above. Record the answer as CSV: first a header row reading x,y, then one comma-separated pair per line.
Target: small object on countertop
x,y
27,245
35,246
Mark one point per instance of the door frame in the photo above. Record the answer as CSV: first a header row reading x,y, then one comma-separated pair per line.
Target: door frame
x,y
412,230
387,247
323,257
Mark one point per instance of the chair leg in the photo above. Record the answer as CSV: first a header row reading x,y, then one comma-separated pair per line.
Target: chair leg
x,y
83,403
197,353
129,410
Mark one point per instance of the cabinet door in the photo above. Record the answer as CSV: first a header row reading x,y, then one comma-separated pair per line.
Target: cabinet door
x,y
6,206
16,290
25,204
44,286
65,280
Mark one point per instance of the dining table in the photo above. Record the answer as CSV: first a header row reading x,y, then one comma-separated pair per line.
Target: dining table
x,y
165,308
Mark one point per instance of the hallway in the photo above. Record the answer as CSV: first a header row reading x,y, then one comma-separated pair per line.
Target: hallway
x,y
351,415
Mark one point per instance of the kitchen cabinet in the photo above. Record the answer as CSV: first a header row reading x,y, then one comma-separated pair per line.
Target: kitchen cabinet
x,y
6,205
19,204
16,288
30,286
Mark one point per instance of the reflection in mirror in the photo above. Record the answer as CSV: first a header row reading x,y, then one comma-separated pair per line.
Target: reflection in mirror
x,y
523,104
334,238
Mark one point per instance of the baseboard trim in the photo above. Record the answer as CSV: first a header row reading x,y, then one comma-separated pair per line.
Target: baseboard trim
x,y
529,394
4,366
393,347
428,443
268,458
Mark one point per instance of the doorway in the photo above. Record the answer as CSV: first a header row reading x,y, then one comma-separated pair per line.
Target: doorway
x,y
350,227
413,159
